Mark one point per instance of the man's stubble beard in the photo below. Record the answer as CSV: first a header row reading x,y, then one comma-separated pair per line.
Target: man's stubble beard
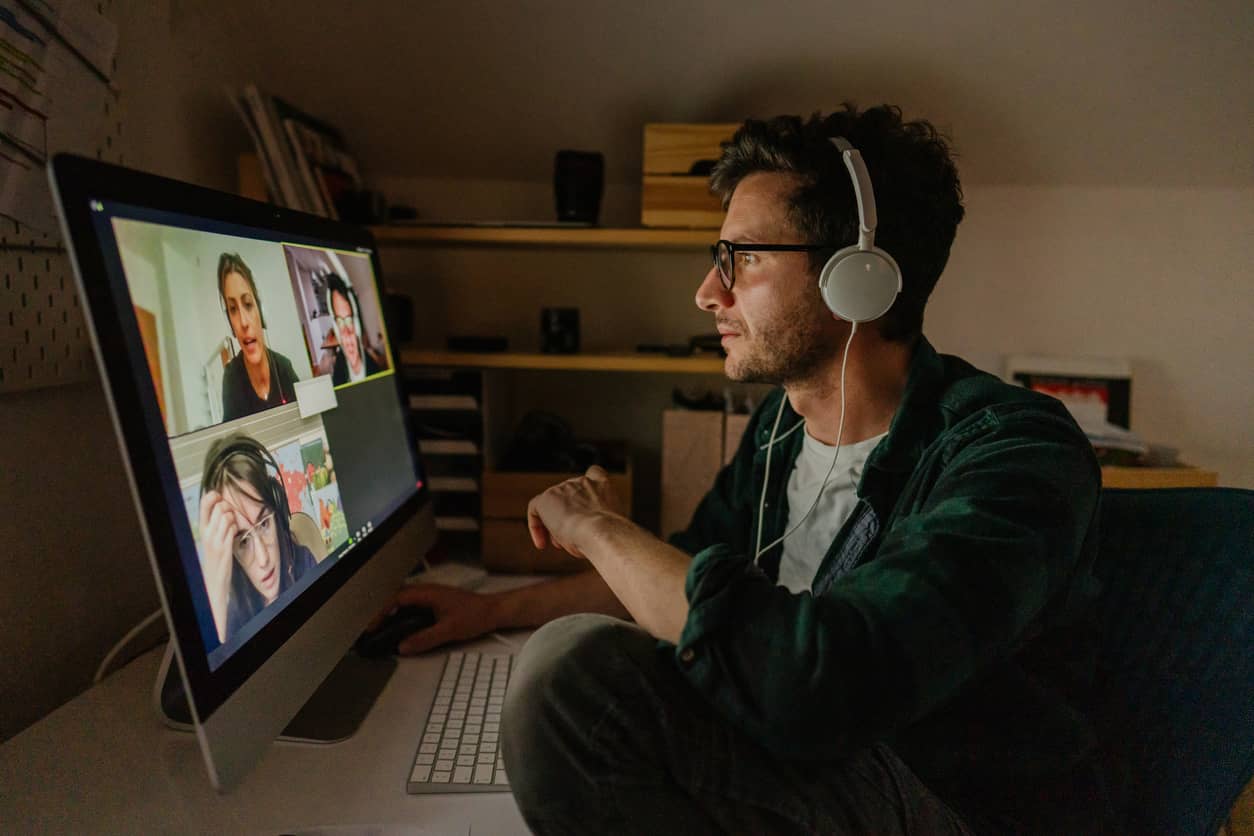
x,y
785,349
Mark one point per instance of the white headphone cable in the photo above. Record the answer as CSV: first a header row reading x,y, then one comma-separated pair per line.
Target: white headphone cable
x,y
766,479
121,645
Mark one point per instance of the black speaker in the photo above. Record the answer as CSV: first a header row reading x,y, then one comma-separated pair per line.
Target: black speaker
x,y
398,312
578,180
559,330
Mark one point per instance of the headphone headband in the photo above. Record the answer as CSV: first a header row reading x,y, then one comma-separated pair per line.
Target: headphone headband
x,y
867,216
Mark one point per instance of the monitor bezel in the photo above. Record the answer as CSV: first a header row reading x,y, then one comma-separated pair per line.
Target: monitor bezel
x,y
145,445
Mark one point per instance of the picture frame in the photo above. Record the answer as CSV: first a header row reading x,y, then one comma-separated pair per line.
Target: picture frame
x,y
1096,390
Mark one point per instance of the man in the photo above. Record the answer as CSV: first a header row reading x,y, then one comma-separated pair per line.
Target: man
x,y
878,620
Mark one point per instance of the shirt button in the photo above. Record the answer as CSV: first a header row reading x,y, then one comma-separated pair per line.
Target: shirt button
x,y
687,655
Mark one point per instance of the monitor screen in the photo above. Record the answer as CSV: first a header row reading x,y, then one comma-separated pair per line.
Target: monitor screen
x,y
272,373
260,408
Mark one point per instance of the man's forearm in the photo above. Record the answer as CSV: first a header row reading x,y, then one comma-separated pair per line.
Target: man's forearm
x,y
531,606
646,574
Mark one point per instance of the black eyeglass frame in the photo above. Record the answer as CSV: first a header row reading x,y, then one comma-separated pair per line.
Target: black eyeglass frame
x,y
728,279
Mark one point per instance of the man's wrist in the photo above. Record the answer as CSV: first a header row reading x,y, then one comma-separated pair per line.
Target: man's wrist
x,y
605,534
600,529
502,611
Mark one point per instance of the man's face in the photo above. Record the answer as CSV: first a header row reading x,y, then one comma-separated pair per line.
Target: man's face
x,y
775,327
347,329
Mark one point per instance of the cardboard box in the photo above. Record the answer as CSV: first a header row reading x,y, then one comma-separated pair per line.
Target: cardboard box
x,y
506,494
692,453
676,189
507,547
506,543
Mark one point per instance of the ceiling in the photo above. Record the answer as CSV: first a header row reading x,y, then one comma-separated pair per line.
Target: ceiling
x,y
1125,93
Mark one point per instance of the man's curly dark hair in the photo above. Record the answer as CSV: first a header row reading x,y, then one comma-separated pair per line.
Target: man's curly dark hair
x,y
917,193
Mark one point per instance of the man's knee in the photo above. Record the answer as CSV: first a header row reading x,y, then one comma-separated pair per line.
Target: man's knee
x,y
567,676
561,661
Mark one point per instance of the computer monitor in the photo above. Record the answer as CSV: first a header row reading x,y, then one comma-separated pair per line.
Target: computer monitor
x,y
263,425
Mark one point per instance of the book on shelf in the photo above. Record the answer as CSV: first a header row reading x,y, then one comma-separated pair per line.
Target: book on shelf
x,y
245,113
447,447
449,403
456,524
454,484
305,160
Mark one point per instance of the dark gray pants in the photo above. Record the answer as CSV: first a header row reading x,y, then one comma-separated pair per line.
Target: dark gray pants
x,y
601,734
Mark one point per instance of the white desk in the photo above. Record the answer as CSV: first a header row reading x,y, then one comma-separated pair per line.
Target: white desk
x,y
105,763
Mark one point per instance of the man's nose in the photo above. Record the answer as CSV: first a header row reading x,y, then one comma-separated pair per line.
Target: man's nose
x,y
711,295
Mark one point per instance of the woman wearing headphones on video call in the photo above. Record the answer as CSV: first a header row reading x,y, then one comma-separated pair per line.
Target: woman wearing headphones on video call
x,y
248,552
257,377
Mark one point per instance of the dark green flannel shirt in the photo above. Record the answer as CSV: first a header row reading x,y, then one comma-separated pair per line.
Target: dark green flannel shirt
x,y
951,616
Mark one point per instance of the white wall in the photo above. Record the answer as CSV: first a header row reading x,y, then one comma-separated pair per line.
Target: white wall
x,y
146,293
1158,276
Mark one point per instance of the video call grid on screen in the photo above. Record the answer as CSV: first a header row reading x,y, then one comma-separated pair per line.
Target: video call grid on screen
x,y
218,306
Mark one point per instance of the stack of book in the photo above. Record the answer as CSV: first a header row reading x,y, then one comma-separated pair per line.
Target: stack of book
x,y
304,159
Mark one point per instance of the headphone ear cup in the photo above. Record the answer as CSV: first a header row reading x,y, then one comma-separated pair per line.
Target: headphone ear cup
x,y
280,495
277,494
860,285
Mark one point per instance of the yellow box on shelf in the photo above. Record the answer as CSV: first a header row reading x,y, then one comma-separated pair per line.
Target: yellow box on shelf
x,y
676,188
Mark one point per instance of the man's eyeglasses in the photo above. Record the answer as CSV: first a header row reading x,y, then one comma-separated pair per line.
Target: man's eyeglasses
x,y
243,547
345,323
724,255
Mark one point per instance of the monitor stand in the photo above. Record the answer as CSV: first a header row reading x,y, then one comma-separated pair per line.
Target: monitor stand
x,y
333,712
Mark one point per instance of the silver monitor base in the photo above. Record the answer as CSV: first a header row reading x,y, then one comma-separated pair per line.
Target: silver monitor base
x,y
333,712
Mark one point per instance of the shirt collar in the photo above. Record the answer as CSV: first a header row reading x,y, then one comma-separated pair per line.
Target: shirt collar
x,y
909,431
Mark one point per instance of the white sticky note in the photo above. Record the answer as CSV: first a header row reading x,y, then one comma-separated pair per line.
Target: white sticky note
x,y
315,395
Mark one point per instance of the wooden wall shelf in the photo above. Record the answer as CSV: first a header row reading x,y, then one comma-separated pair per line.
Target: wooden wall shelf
x,y
1158,477
616,362
545,236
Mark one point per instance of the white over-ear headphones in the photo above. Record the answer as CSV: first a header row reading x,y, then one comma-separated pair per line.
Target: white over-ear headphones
x,y
860,283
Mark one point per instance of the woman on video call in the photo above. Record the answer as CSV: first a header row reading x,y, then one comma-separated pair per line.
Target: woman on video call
x,y
258,377
248,553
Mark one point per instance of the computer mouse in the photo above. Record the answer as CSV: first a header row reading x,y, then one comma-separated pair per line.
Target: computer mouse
x,y
395,627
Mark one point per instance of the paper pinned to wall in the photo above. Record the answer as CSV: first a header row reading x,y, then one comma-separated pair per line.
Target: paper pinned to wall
x,y
82,30
56,57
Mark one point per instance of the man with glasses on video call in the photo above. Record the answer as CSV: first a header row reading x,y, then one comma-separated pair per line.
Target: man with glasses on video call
x,y
879,619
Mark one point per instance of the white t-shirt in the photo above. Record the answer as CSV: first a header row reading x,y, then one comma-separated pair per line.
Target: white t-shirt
x,y
806,547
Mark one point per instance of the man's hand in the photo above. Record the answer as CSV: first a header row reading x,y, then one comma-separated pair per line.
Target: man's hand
x,y
562,515
459,616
